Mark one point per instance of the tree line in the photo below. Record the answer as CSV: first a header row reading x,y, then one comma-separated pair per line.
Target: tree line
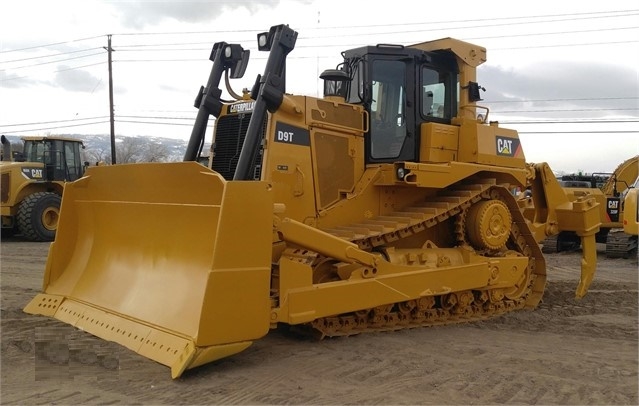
x,y
132,150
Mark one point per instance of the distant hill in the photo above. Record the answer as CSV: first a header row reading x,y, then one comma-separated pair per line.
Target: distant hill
x,y
101,144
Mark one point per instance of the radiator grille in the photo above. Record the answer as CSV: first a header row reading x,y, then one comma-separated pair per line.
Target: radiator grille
x,y
230,131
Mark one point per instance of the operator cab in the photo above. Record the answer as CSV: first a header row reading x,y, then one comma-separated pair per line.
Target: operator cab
x,y
400,88
61,157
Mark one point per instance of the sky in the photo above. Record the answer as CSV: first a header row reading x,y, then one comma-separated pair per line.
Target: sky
x,y
564,74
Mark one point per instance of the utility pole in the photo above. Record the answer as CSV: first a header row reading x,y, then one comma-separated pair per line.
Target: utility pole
x,y
112,118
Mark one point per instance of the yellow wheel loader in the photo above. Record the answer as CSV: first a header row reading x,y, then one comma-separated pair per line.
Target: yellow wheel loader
x,y
33,181
385,204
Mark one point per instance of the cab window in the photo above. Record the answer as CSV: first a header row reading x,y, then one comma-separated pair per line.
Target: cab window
x,y
435,95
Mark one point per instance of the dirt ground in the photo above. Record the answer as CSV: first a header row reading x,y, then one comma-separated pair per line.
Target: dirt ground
x,y
565,352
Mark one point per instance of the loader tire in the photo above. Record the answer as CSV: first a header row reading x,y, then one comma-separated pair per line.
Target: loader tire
x,y
38,216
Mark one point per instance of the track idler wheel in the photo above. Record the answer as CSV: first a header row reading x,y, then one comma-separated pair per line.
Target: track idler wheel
x,y
489,224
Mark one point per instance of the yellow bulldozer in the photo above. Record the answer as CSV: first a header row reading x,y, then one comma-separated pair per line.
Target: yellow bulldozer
x,y
385,204
33,181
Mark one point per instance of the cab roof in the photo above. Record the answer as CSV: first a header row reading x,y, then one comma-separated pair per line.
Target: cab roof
x,y
50,137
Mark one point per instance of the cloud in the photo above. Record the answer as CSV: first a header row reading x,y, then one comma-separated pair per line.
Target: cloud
x,y
138,14
13,81
587,86
76,80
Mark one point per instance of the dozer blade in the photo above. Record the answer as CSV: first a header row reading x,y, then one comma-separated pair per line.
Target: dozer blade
x,y
169,260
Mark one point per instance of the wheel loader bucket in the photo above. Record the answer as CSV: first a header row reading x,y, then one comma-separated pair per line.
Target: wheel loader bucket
x,y
169,260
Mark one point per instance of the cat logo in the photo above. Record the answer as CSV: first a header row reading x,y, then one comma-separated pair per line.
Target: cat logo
x,y
507,146
612,209
32,173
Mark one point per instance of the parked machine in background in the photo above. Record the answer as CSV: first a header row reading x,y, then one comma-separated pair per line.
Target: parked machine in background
x,y
631,212
32,183
385,204
626,241
623,185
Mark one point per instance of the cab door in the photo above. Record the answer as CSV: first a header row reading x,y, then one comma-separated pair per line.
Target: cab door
x,y
392,136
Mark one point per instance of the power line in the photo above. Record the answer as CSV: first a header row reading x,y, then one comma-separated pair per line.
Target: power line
x,y
160,60
207,43
583,44
54,122
578,16
154,123
75,122
580,132
145,120
55,71
594,15
574,16
124,47
300,57
176,44
56,61
343,45
51,55
490,25
559,33
159,117
58,127
563,110
563,99
51,44
188,124
584,121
